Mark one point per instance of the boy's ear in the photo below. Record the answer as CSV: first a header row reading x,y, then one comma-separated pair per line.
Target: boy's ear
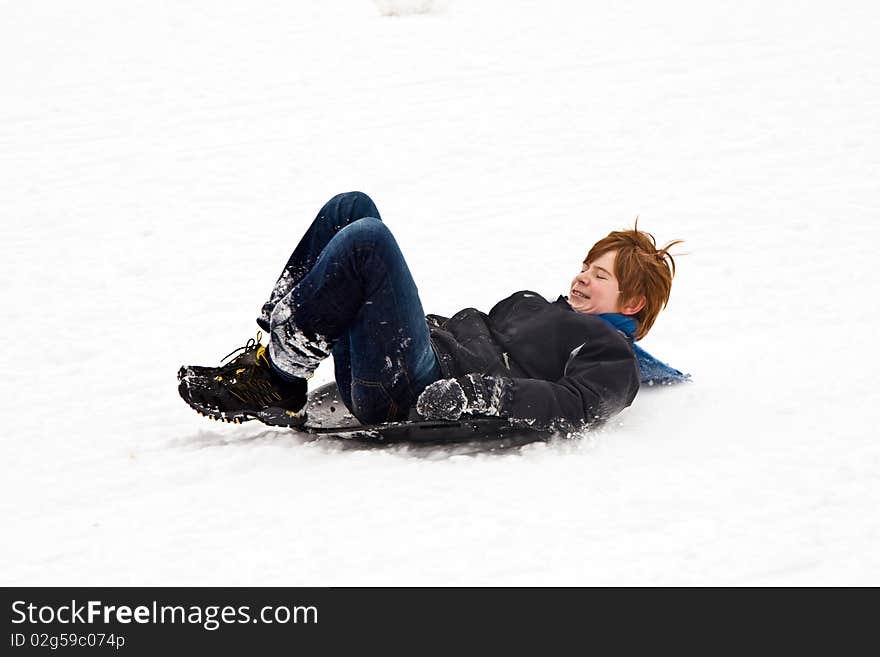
x,y
634,305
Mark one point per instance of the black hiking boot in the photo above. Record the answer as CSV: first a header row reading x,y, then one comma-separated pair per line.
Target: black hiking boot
x,y
245,388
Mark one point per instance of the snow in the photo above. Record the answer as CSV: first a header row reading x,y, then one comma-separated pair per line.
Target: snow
x,y
159,161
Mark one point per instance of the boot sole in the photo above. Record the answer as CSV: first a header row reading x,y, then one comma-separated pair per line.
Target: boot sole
x,y
273,415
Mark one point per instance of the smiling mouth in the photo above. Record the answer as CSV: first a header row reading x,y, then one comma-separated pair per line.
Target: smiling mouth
x,y
579,294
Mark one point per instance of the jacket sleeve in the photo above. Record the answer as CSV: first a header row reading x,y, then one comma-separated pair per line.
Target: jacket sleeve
x,y
597,383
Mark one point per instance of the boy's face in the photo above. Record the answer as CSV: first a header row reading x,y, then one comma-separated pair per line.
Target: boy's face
x,y
594,290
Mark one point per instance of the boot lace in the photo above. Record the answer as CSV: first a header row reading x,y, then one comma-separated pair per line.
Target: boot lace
x,y
250,389
249,346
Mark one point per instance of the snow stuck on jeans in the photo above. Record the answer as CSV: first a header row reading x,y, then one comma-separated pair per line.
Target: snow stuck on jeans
x,y
159,162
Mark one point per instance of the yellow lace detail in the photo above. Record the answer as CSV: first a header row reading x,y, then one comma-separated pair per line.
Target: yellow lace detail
x,y
261,353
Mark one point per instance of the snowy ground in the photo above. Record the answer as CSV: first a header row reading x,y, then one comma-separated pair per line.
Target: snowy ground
x,y
159,161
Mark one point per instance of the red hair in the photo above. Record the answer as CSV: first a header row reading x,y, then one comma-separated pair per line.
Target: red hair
x,y
641,269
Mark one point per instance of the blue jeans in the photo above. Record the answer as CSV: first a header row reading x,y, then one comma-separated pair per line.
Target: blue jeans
x,y
348,282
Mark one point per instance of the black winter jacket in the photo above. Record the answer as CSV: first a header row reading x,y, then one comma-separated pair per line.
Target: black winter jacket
x,y
560,369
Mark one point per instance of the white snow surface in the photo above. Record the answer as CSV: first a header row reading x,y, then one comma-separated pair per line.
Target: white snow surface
x,y
159,161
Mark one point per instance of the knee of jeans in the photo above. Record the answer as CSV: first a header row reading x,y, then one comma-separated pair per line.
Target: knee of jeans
x,y
363,202
366,232
350,206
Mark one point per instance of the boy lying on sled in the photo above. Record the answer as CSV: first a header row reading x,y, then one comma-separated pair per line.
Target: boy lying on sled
x,y
347,292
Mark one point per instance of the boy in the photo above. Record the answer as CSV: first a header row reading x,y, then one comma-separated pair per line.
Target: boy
x,y
347,291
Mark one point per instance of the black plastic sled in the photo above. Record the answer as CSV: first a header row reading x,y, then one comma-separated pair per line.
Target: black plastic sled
x,y
328,416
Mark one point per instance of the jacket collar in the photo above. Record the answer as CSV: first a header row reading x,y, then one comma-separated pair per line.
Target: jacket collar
x,y
624,324
627,325
651,370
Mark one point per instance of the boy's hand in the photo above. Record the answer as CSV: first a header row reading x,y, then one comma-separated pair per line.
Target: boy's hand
x,y
449,399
